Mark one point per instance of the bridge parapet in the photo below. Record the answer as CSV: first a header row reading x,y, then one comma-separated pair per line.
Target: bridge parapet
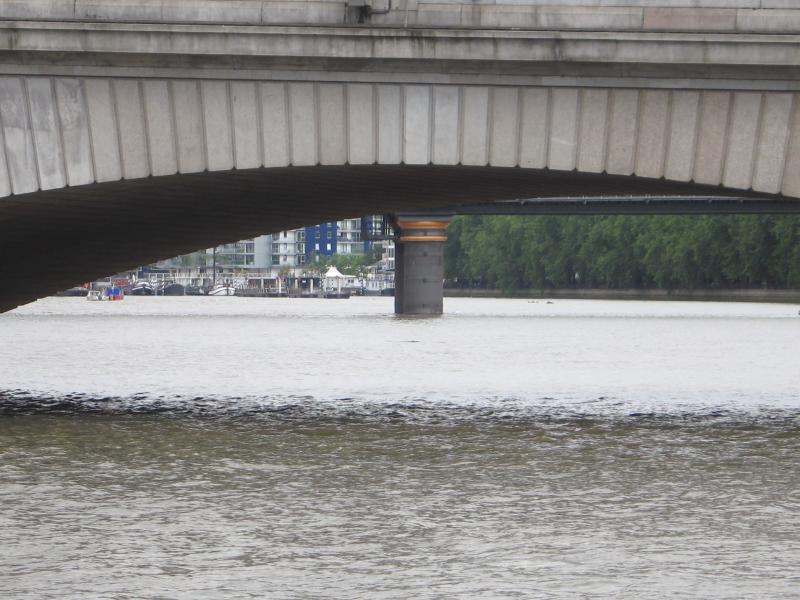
x,y
750,16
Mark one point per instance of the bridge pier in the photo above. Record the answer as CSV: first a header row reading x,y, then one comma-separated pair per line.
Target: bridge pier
x,y
419,265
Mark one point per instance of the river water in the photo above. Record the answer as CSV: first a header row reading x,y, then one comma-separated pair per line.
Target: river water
x,y
277,448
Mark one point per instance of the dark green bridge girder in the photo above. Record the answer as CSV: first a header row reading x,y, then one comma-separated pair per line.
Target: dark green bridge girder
x,y
630,205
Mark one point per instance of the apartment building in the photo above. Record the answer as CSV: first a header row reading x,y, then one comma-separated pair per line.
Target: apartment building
x,y
348,237
288,249
320,240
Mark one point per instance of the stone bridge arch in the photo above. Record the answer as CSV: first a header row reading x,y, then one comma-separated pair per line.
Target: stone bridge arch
x,y
59,132
99,174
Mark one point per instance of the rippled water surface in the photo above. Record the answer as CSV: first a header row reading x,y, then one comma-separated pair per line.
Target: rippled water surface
x,y
266,448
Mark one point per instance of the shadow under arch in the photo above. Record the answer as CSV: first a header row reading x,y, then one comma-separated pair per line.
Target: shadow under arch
x,y
51,240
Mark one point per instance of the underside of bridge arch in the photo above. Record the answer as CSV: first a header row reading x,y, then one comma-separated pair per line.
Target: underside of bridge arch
x,y
52,240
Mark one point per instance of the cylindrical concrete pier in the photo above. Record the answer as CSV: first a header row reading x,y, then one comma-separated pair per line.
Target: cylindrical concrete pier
x,y
419,265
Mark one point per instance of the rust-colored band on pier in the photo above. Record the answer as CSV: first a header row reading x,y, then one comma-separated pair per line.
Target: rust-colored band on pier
x,y
422,224
422,230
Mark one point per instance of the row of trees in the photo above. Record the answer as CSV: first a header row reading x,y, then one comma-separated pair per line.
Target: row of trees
x,y
668,252
348,264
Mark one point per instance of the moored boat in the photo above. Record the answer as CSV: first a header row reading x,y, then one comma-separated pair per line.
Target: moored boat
x,y
113,293
73,292
110,293
173,289
142,288
222,290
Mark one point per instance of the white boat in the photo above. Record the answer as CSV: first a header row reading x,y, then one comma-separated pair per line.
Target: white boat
x,y
108,294
222,290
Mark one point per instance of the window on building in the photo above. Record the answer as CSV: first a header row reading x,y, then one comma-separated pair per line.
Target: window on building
x,y
329,247
276,260
330,235
316,232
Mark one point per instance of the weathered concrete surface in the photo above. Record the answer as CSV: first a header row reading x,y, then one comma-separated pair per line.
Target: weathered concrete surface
x,y
97,102
419,273
347,48
618,15
419,264
144,127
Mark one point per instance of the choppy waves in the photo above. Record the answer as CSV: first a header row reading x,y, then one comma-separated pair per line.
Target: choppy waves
x,y
600,410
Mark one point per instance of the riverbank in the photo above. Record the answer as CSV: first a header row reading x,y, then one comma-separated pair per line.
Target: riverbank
x,y
743,295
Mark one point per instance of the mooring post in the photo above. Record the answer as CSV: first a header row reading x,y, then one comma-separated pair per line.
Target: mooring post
x,y
419,264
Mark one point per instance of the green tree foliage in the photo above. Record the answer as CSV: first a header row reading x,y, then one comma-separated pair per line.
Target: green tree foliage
x,y
348,264
668,252
194,259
